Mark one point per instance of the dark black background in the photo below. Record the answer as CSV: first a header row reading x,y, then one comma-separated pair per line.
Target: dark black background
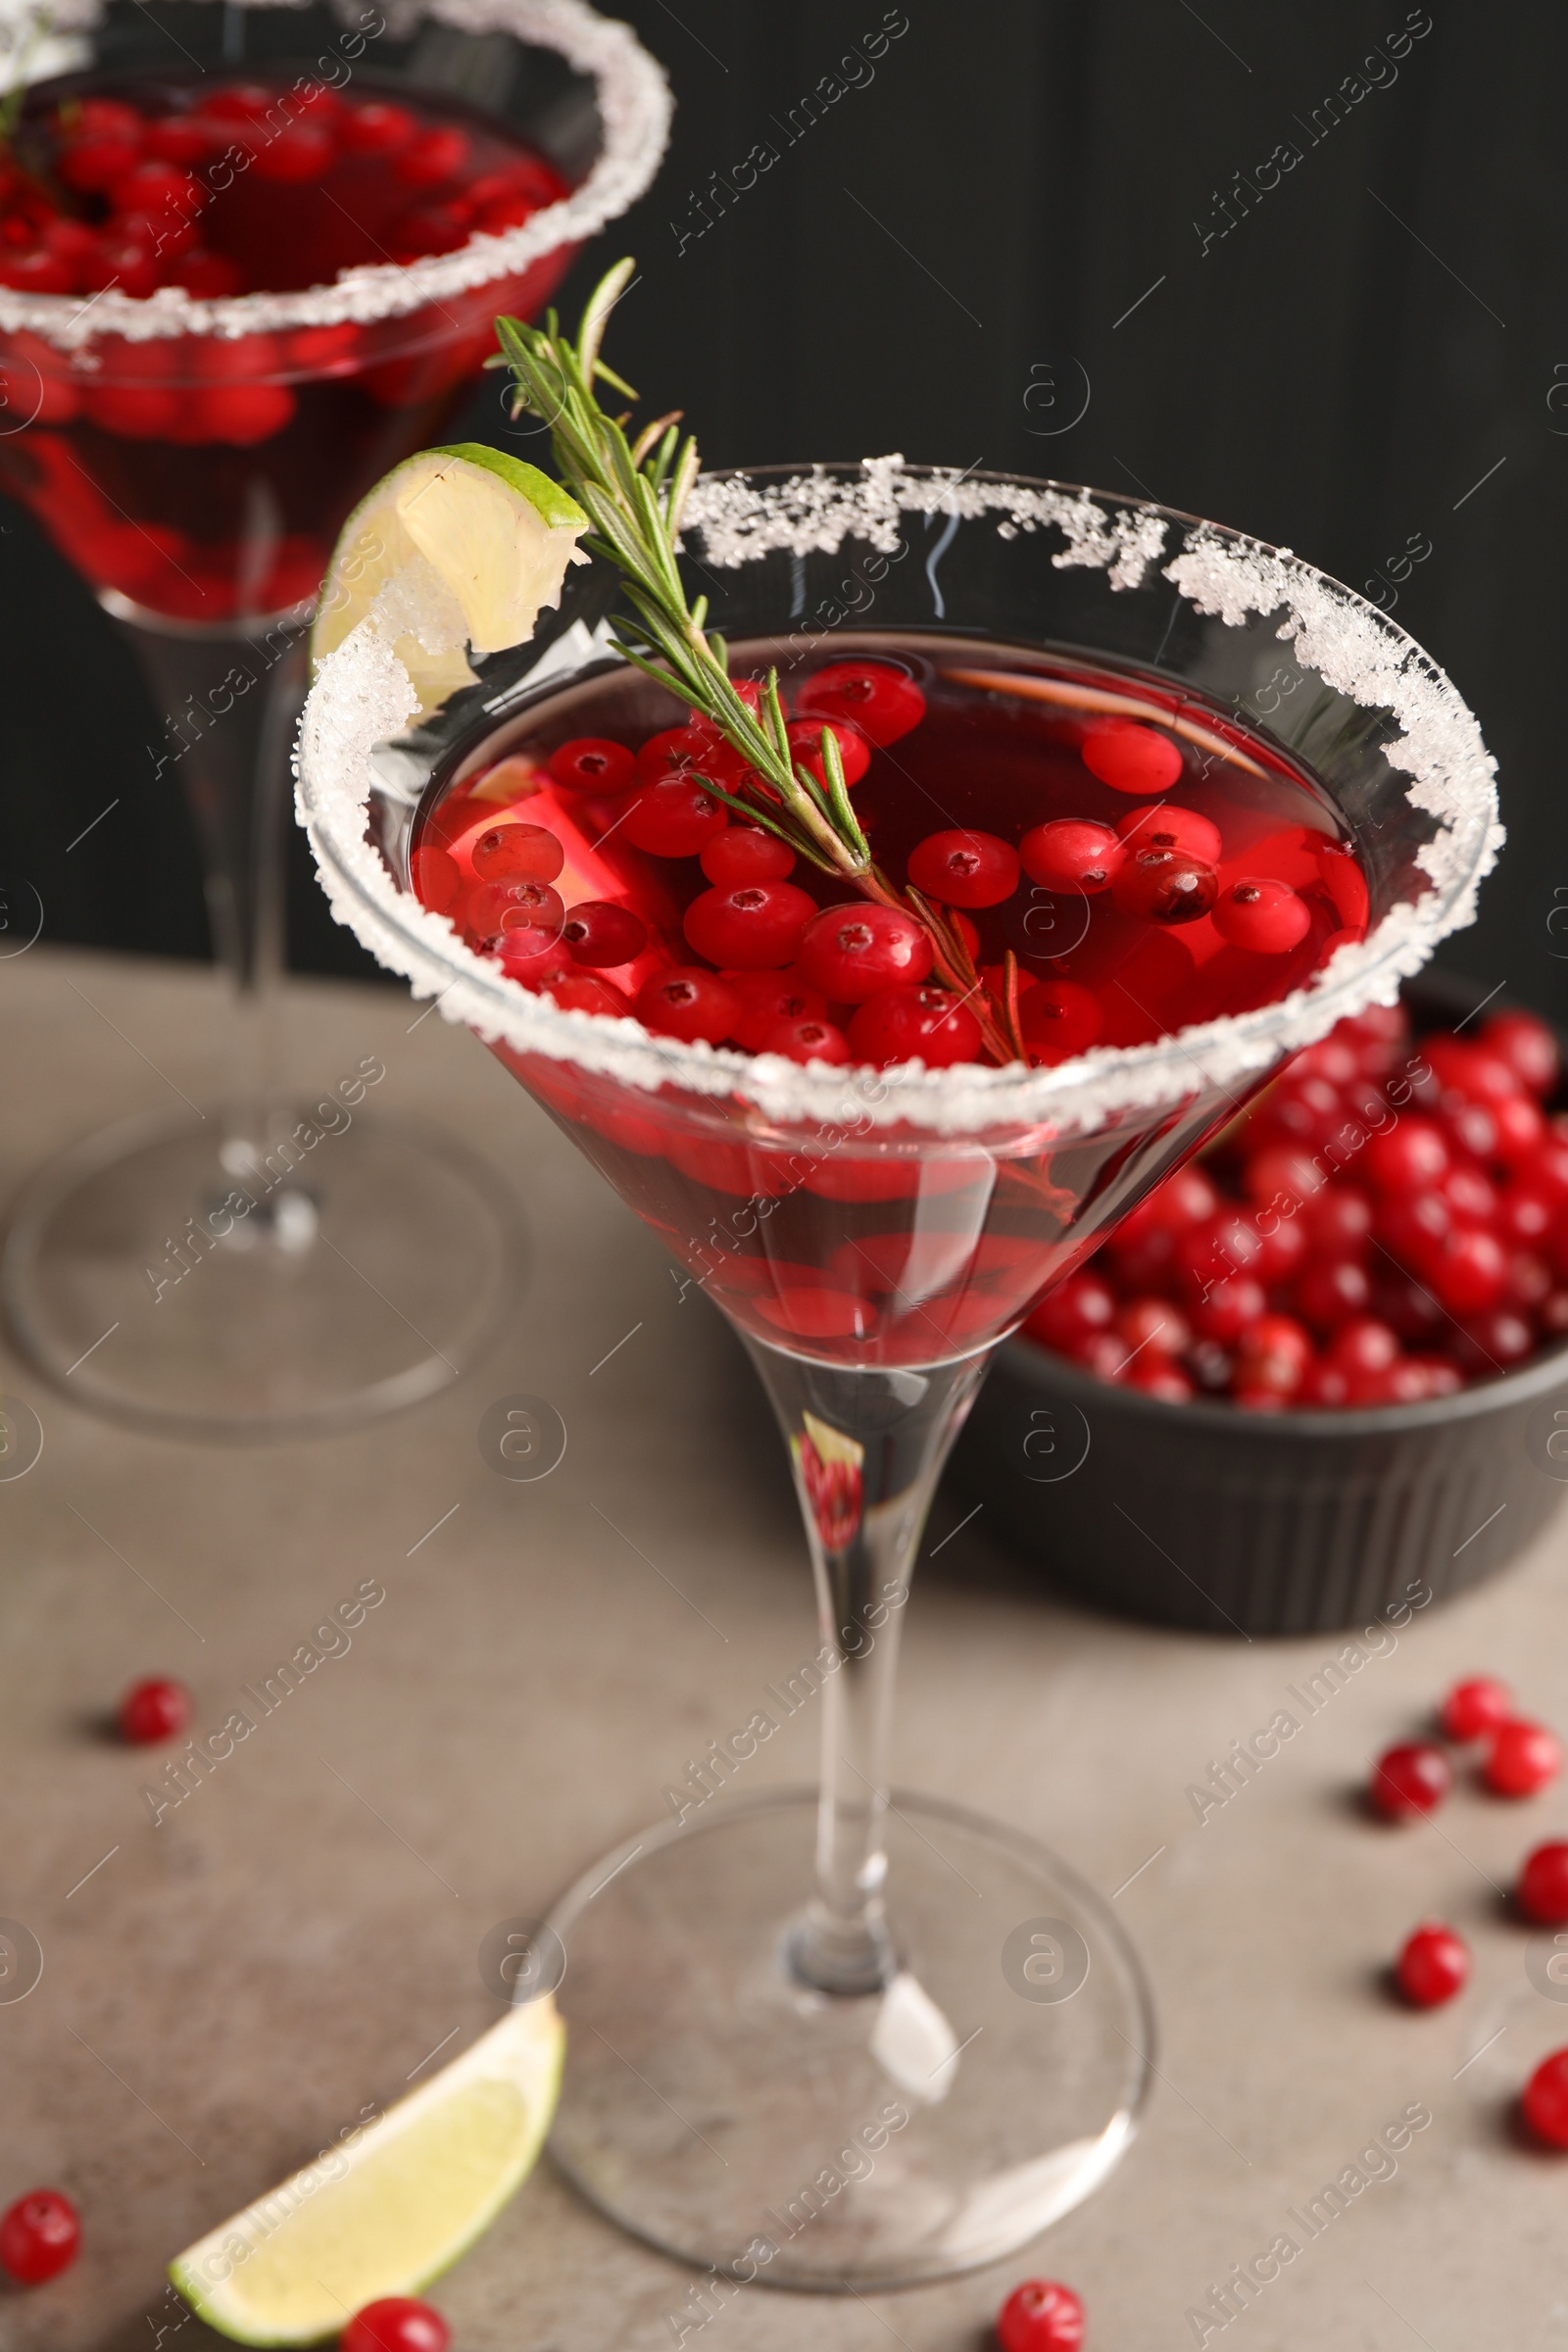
x,y
945,260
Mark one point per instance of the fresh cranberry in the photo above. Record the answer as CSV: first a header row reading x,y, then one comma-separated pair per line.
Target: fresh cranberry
x,y
1154,1375
1325,1387
592,763
438,879
1554,1315
432,157
300,152
805,1041
1543,2101
39,2235
1059,1019
1230,1307
1547,1167
1408,1157
210,276
1165,827
1283,1250
376,128
1227,1243
38,271
1154,1324
1332,1291
1494,1342
1131,758
1281,1177
241,102
1433,1966
1185,1199
1071,852
426,228
965,868
1164,886
1521,1758
1341,873
1475,1706
514,852
1469,1070
879,699
1469,1191
1339,1222
1266,918
153,1711
1301,1112
1081,1308
93,165
1467,1271
1527,1044
1521,1129
1408,1780
753,925
599,933
898,1024
674,818
1414,1226
853,952
534,957
805,737
766,999
582,992
1542,1888
105,119
1041,2316
1362,1343
396,2324
688,1002
155,188
746,853
1273,1355
492,910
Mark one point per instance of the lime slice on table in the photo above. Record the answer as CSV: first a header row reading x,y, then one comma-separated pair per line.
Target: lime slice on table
x,y
385,2214
453,548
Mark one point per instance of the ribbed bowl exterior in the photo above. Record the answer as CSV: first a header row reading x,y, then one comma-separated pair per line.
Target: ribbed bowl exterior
x,y
1221,1521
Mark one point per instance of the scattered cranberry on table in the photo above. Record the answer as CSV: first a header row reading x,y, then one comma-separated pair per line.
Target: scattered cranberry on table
x,y
39,2237
152,1711
1433,1966
1475,1707
1409,1780
1521,1758
396,2324
1544,2100
1541,1888
1041,2316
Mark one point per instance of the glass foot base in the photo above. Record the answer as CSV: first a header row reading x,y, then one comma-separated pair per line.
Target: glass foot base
x,y
745,2122
156,1276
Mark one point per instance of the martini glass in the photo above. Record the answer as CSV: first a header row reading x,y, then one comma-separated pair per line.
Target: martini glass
x,y
849,2039
262,1264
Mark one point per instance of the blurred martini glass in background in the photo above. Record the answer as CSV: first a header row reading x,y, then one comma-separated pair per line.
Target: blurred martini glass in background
x,y
251,257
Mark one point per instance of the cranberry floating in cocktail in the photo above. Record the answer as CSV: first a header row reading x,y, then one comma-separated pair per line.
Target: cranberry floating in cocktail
x,y
242,273
884,922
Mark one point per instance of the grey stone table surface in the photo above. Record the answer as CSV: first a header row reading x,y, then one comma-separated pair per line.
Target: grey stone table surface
x,y
226,1989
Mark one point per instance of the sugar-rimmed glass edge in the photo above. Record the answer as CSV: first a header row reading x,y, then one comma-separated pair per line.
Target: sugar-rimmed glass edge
x,y
634,105
362,697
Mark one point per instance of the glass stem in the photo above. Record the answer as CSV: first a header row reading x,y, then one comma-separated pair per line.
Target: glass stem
x,y
229,698
866,1447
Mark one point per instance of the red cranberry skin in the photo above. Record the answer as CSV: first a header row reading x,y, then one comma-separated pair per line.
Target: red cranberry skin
x,y
1230,1307
1521,1758
153,1711
39,2237
1332,1291
689,1003
601,934
1154,1375
898,1024
1339,1222
853,952
1273,1355
1433,1966
965,868
1468,1270
1131,758
1521,1129
1543,2101
1041,2316
1475,1707
1263,916
377,127
1364,1344
807,1041
1164,886
673,818
1071,852
805,737
883,702
1410,1781
1154,1324
753,926
590,762
438,879
515,853
581,992
1164,827
396,2324
1527,1044
746,853
1079,1309
1469,1070
1542,1888
492,910
1059,1019
767,997
1409,1157
1494,1342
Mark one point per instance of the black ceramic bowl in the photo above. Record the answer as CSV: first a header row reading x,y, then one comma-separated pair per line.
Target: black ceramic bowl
x,y
1204,1516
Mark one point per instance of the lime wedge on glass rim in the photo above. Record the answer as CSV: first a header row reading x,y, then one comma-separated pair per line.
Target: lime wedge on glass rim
x,y
393,2206
455,548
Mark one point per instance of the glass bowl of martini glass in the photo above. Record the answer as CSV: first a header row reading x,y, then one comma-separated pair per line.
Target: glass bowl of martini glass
x,y
249,257
1189,802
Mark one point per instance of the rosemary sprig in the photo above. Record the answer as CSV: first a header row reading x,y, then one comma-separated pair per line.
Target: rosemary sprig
x,y
634,493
